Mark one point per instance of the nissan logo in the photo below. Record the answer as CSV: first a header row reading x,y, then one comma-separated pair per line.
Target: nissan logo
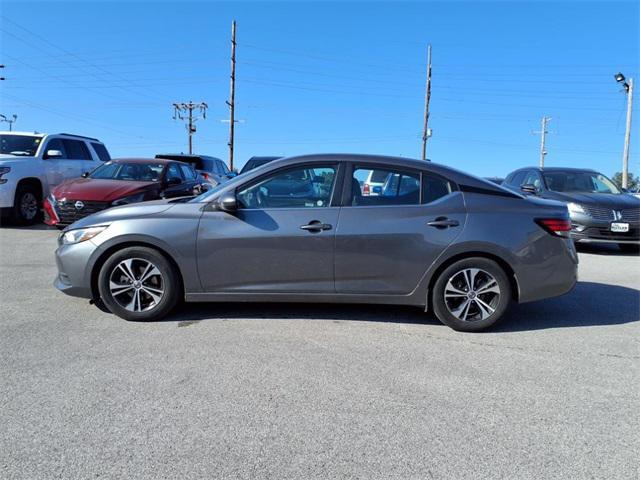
x,y
79,205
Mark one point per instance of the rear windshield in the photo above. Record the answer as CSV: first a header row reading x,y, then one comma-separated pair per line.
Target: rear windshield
x,y
23,145
135,172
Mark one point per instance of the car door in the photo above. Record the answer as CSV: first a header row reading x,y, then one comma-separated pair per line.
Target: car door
x,y
386,242
77,151
280,240
60,168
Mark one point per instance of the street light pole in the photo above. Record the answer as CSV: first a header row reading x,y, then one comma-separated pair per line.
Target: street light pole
x,y
627,137
628,86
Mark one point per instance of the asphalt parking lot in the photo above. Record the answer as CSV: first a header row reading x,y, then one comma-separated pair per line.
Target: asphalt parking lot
x,y
317,391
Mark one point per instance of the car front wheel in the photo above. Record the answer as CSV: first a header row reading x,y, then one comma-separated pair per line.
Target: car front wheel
x,y
471,295
139,284
26,206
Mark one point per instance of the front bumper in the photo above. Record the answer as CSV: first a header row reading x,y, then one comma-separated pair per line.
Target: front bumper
x,y
603,234
67,212
73,278
7,194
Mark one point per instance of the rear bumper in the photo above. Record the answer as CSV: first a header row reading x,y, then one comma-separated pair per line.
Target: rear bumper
x,y
554,276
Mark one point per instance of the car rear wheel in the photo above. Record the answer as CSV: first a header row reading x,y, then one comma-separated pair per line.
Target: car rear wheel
x,y
139,284
26,205
471,295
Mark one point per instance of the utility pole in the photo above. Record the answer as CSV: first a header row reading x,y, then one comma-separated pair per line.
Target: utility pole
x,y
178,114
426,132
232,94
10,121
543,135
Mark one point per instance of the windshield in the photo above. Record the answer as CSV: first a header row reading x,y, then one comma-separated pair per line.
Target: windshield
x,y
136,172
580,182
24,145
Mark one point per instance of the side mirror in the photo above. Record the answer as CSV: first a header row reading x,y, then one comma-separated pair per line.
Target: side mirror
x,y
53,154
228,203
173,181
85,175
529,189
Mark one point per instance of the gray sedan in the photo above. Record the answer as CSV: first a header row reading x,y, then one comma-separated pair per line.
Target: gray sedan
x,y
301,229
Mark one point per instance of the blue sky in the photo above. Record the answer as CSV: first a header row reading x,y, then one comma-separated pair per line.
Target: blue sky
x,y
330,77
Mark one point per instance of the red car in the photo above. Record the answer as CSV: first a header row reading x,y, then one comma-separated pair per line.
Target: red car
x,y
119,182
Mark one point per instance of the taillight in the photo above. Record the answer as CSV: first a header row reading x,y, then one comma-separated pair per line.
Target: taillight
x,y
205,176
555,226
366,190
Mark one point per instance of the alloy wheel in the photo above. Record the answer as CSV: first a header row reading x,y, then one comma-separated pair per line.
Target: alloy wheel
x,y
136,284
28,206
472,294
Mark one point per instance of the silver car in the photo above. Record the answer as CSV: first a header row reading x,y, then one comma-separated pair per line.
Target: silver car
x,y
300,229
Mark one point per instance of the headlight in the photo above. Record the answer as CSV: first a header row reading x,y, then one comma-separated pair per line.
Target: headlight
x,y
81,234
138,197
4,170
52,200
576,208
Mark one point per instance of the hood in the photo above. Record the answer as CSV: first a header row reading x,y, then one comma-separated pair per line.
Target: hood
x,y
133,210
612,201
7,156
99,190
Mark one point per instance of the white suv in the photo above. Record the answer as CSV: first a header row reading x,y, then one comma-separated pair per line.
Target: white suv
x,y
32,163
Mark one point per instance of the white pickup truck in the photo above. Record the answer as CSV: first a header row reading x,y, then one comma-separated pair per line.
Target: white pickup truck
x,y
32,163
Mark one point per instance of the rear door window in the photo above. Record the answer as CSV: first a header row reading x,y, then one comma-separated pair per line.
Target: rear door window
x,y
188,172
381,186
101,151
173,171
76,150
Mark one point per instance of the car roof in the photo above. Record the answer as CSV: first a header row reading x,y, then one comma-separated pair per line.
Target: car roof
x,y
452,174
186,156
30,134
162,161
557,169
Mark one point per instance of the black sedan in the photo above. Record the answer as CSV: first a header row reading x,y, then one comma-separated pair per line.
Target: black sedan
x,y
600,211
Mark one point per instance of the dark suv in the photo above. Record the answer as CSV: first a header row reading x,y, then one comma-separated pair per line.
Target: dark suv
x,y
212,169
600,212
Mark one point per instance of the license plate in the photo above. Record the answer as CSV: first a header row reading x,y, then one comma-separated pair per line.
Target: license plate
x,y
619,227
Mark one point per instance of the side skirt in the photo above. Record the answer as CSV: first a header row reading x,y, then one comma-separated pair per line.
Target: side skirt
x,y
410,299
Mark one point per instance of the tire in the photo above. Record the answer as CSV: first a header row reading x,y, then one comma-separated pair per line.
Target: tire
x,y
470,311
27,205
629,247
135,300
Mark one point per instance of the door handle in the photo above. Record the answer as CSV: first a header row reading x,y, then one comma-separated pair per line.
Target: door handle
x,y
443,222
316,226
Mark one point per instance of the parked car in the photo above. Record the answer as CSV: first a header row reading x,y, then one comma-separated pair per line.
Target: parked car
x,y
212,169
255,162
32,163
465,249
600,211
119,182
